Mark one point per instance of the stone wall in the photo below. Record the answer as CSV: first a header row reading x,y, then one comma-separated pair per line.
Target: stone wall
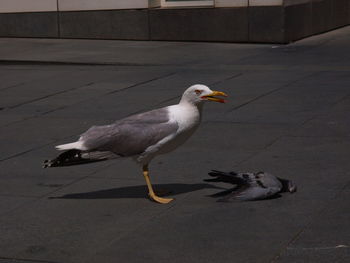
x,y
261,21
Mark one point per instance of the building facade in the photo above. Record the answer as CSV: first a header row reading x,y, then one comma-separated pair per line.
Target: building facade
x,y
262,21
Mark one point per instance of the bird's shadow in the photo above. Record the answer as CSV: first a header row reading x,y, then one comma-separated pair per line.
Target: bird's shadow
x,y
138,191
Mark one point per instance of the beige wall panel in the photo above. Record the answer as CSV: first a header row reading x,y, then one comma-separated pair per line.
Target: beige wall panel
x,y
15,6
154,3
75,5
265,2
165,3
231,3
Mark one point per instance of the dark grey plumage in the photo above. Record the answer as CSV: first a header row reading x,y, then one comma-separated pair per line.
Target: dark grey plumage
x,y
127,137
250,186
131,135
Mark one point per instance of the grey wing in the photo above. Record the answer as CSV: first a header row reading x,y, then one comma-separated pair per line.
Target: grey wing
x,y
132,135
250,193
269,180
153,116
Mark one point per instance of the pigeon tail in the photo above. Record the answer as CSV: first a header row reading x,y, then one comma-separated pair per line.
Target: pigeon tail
x,y
231,177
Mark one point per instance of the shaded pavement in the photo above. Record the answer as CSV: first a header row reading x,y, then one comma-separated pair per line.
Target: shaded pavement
x,y
288,114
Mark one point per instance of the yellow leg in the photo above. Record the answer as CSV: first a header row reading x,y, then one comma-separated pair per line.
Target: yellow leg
x,y
151,193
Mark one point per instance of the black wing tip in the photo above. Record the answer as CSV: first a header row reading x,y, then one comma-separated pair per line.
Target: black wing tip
x,y
58,163
50,163
214,172
46,164
212,180
221,174
226,177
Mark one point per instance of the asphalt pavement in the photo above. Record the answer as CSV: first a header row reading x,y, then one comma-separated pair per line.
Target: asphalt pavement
x,y
288,114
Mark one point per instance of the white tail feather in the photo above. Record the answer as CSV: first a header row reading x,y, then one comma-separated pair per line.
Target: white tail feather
x,y
74,145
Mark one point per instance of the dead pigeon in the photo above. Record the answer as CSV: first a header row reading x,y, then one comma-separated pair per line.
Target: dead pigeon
x,y
250,186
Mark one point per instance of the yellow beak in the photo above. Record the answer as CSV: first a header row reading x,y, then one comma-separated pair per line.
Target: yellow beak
x,y
212,97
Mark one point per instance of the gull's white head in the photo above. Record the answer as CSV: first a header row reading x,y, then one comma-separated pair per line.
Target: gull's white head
x,y
199,93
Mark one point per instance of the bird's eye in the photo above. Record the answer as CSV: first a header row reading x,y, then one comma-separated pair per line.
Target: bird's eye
x,y
198,92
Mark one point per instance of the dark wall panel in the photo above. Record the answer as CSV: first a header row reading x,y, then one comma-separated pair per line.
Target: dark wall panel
x,y
266,24
114,24
321,16
199,24
340,13
298,22
42,24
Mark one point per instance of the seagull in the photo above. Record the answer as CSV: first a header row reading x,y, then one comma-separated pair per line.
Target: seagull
x,y
250,186
142,136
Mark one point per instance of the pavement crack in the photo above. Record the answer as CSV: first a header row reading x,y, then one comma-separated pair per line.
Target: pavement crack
x,y
307,225
272,91
21,153
141,83
34,148
48,96
12,86
314,117
140,225
318,248
225,79
64,107
47,195
90,83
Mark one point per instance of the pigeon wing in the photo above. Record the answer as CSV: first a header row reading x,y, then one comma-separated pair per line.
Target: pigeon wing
x,y
251,192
